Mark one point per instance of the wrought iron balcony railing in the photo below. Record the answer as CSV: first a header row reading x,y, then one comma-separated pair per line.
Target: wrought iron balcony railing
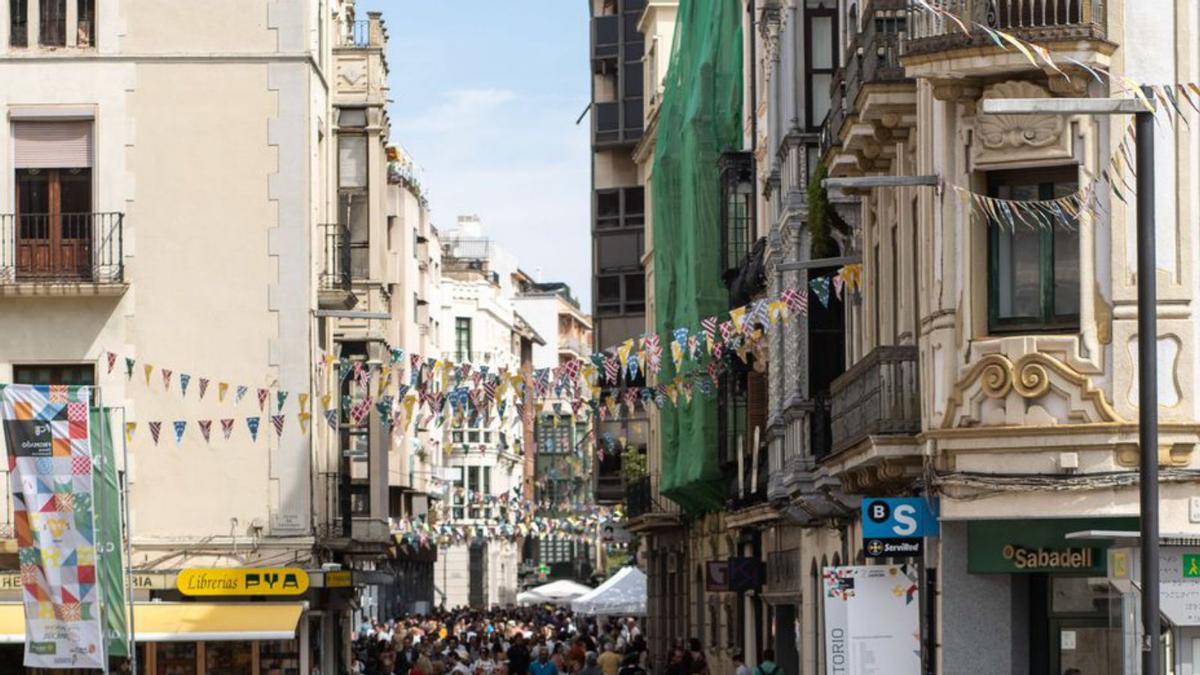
x,y
643,498
1033,20
879,395
62,248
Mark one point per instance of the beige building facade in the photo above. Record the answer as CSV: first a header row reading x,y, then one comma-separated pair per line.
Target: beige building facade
x,y
173,189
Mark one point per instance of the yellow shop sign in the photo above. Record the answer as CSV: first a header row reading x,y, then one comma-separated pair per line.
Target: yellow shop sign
x,y
254,581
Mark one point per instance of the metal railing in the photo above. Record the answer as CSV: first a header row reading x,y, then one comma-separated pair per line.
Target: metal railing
x,y
66,247
335,268
356,34
1033,20
879,395
754,487
643,498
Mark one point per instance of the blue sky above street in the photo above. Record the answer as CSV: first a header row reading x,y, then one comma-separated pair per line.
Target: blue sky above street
x,y
485,96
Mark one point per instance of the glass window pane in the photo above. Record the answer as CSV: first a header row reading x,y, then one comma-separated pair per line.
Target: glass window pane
x,y
352,161
609,289
1019,278
1066,271
352,117
635,288
619,251
821,52
53,19
820,98
18,17
635,200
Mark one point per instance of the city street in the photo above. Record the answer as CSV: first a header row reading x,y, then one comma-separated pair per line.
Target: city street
x,y
599,337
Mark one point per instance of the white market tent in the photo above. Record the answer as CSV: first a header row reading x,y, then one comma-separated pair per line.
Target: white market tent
x,y
559,592
622,594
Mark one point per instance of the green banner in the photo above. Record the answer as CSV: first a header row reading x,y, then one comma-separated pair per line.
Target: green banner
x,y
109,546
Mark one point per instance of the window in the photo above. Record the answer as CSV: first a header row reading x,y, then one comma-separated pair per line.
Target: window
x,y
355,118
462,339
1033,267
85,23
479,486
619,251
621,294
554,434
53,198
620,207
820,62
18,23
53,21
55,373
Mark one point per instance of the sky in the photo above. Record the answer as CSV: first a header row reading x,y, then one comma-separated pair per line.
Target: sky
x,y
484,96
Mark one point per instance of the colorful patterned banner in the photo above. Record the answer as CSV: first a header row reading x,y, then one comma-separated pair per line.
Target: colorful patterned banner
x,y
46,429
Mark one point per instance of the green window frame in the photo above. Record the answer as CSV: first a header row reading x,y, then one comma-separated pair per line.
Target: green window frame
x,y
1053,306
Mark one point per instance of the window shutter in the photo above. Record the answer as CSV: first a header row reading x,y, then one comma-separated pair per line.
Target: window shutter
x,y
52,144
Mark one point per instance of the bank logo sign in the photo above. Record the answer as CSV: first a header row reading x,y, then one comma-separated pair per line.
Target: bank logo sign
x,y
896,527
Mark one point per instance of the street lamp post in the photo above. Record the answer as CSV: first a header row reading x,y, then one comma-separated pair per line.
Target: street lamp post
x,y
1147,303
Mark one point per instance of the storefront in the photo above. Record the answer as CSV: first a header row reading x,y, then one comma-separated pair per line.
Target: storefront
x,y
199,638
1044,600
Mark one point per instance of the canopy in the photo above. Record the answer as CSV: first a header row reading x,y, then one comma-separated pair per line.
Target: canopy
x,y
555,592
189,621
622,594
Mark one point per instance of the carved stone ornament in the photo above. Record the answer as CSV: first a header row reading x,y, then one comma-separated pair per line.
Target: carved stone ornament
x,y
1019,138
983,397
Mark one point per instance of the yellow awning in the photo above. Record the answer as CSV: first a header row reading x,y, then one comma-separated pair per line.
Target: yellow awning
x,y
189,621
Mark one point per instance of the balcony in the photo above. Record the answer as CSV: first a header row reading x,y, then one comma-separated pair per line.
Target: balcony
x,y
1033,20
69,254
879,396
363,34
646,509
333,289
610,488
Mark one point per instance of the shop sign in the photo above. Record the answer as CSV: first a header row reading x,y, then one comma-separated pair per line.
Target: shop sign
x,y
893,548
254,581
141,581
898,518
338,579
1029,546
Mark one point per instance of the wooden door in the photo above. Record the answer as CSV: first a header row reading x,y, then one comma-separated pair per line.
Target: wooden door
x,y
54,223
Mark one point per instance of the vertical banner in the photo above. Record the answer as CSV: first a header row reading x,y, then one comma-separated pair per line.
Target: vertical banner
x,y
872,620
46,429
109,541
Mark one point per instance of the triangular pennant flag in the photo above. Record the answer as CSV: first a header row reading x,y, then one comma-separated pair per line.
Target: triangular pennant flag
x,y
227,427
303,417
147,369
180,427
222,389
280,398
184,381
203,387
166,375
155,429
277,422
303,400
240,393
262,399
331,416
325,401
112,361
820,288
128,368
130,427
252,425
205,427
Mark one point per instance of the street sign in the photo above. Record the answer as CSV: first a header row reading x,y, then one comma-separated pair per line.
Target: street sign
x,y
1191,566
897,518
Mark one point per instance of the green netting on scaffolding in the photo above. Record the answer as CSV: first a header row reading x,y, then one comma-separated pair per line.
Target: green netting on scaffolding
x,y
699,119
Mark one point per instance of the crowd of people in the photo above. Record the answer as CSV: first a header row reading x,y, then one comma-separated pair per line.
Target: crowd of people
x,y
524,641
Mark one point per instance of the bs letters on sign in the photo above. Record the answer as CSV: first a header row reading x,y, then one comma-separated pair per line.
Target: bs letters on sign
x,y
896,527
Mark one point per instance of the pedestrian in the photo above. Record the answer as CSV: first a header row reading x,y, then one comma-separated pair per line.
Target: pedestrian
x,y
543,665
609,660
518,656
768,666
590,665
697,663
739,664
632,666
676,665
